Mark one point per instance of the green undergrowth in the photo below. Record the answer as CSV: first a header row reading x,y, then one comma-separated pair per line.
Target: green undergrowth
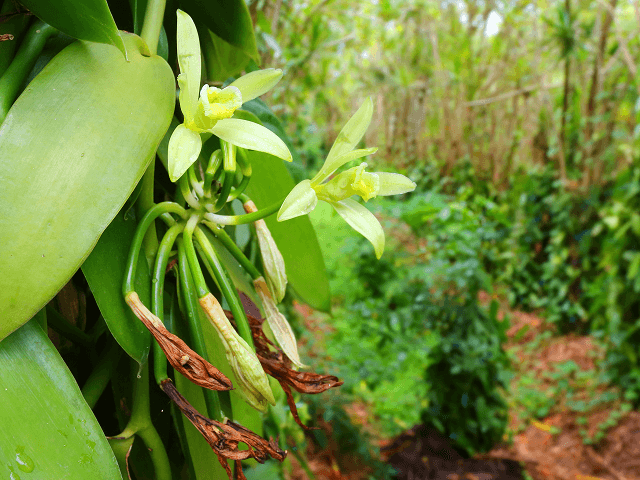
x,y
404,326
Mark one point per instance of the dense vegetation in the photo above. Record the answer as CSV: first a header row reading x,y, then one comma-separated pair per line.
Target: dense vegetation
x,y
519,125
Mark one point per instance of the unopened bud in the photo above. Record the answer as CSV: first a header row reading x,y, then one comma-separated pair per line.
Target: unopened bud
x,y
249,373
272,260
278,323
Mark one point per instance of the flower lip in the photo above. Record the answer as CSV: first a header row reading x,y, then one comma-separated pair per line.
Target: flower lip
x,y
220,103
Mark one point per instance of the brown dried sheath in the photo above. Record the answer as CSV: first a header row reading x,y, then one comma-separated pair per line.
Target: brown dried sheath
x,y
225,437
180,356
277,364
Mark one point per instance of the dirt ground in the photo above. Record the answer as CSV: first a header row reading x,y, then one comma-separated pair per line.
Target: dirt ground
x,y
548,448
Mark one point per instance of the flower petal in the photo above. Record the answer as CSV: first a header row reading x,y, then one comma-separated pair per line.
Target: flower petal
x,y
331,165
190,65
394,184
300,201
254,84
362,221
251,136
353,131
184,148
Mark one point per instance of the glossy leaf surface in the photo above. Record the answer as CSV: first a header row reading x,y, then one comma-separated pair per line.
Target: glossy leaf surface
x,y
228,19
72,149
104,270
46,428
88,20
295,238
222,60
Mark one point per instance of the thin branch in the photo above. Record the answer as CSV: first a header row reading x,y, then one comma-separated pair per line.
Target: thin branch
x,y
508,95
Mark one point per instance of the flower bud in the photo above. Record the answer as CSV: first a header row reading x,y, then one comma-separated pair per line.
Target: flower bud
x,y
250,376
272,260
278,323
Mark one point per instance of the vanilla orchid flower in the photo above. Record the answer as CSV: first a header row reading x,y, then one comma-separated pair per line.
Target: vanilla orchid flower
x,y
210,109
355,181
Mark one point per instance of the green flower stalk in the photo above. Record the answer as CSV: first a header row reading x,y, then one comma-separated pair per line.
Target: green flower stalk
x,y
354,181
210,109
272,260
250,376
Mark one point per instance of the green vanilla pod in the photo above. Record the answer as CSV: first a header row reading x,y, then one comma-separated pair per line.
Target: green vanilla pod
x,y
72,149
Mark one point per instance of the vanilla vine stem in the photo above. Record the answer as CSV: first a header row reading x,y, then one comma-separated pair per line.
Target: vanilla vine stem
x,y
147,220
157,304
152,25
246,218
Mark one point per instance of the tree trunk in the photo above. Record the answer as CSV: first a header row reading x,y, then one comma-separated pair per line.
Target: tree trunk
x,y
593,93
565,107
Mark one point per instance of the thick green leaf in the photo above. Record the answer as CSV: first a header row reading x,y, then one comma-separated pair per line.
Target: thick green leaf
x,y
46,428
260,109
228,19
295,238
104,269
88,20
72,148
222,60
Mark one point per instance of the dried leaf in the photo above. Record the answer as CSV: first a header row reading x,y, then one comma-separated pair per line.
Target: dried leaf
x,y
180,356
225,437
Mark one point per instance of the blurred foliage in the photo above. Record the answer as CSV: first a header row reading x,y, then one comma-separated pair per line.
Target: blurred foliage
x,y
614,305
498,85
467,370
550,247
411,322
519,124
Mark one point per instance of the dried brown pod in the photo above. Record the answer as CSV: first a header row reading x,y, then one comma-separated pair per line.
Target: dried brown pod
x,y
225,437
180,356
278,365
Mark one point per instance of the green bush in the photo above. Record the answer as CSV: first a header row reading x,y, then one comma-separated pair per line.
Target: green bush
x,y
467,369
550,248
613,293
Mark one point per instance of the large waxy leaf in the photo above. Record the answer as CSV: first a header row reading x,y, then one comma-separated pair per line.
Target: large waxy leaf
x,y
104,269
82,19
228,19
72,148
222,59
295,238
269,120
46,428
